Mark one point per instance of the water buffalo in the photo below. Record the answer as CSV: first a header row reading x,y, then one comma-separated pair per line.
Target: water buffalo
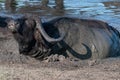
x,y
71,37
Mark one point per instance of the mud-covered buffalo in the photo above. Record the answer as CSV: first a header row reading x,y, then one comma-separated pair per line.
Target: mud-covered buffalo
x,y
71,37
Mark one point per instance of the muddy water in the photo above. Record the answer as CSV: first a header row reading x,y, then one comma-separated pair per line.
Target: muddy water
x,y
106,10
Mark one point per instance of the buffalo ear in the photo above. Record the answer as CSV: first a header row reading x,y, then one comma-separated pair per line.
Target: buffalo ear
x,y
30,23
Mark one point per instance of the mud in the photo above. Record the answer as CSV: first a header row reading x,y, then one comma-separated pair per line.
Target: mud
x,y
14,66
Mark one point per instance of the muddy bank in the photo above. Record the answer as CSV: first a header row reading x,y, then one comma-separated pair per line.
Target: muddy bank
x,y
14,66
105,70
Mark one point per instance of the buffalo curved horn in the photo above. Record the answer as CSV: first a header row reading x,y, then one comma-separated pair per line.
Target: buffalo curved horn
x,y
45,35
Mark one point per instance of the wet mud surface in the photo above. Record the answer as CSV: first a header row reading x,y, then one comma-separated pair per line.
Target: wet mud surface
x,y
14,66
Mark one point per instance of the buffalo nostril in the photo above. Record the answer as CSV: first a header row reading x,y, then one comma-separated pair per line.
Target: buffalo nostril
x,y
25,46
23,49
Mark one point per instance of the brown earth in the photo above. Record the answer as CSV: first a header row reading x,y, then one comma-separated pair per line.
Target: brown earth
x,y
14,66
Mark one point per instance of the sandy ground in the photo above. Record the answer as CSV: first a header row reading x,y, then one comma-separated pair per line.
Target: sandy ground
x,y
14,66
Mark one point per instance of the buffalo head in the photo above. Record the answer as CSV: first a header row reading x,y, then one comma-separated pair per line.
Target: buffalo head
x,y
31,36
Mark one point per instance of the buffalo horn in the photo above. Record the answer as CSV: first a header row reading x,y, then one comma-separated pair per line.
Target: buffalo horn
x,y
45,35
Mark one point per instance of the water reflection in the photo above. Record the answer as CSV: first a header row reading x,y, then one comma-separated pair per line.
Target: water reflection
x,y
40,7
114,6
107,10
10,5
67,6
45,3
